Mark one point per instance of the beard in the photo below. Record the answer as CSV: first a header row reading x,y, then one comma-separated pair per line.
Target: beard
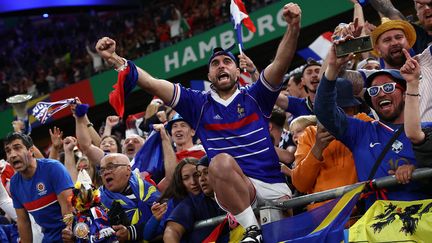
x,y
394,115
395,61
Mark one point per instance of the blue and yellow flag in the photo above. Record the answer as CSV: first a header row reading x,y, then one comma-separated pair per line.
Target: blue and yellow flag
x,y
323,224
394,221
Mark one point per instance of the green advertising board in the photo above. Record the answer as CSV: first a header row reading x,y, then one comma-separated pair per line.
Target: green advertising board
x,y
193,53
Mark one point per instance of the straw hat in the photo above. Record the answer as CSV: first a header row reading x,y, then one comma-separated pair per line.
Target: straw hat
x,y
387,24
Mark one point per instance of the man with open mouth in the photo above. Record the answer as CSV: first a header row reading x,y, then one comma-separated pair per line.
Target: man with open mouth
x,y
41,187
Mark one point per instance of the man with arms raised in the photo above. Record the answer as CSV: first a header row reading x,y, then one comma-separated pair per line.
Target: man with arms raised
x,y
231,122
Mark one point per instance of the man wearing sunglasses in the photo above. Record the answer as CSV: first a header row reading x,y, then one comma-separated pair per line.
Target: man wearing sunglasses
x,y
366,140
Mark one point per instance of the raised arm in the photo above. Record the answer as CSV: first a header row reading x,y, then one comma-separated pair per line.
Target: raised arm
x,y
170,160
325,108
385,8
56,143
94,153
158,87
411,73
275,72
68,145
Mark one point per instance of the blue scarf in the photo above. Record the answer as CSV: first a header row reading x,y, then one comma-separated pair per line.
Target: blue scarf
x,y
145,193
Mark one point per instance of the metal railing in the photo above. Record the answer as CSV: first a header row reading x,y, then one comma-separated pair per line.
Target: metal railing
x,y
388,181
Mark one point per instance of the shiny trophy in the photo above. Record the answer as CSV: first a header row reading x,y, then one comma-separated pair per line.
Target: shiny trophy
x,y
19,105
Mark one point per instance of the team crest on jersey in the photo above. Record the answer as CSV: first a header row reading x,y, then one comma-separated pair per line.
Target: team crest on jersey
x,y
397,146
41,188
240,111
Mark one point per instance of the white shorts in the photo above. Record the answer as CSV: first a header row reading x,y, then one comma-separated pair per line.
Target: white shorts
x,y
265,191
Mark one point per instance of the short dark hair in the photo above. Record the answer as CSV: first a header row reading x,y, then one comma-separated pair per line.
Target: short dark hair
x,y
278,117
26,139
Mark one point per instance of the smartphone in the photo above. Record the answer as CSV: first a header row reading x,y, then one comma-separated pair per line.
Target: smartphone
x,y
357,45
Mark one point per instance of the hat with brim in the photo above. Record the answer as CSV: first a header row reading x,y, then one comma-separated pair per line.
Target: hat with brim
x,y
344,94
387,24
176,118
395,74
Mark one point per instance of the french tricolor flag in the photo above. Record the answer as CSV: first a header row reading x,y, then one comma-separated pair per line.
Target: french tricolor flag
x,y
319,48
239,15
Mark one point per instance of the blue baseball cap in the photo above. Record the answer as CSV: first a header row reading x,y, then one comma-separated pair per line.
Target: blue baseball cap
x,y
395,74
220,51
175,119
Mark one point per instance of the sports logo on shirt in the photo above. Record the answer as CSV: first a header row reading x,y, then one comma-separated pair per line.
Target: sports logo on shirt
x,y
240,111
397,146
41,188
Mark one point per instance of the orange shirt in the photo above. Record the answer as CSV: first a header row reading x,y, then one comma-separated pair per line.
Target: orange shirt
x,y
337,168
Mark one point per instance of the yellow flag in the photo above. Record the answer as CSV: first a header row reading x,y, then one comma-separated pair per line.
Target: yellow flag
x,y
394,221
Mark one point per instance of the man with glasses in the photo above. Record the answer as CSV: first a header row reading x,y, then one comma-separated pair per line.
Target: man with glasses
x,y
136,196
366,140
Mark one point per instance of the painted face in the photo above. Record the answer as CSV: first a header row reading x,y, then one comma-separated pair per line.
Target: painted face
x,y
84,164
182,133
310,78
115,172
424,13
295,89
204,180
18,155
389,46
108,145
223,73
132,145
190,179
388,106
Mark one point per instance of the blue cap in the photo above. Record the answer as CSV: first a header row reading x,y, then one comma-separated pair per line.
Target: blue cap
x,y
219,51
395,74
345,96
175,118
204,161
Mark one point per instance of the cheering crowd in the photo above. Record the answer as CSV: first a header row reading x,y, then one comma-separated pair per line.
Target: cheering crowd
x,y
324,125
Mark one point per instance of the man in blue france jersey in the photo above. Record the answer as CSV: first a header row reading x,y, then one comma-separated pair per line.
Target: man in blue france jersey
x,y
303,106
386,95
231,123
40,187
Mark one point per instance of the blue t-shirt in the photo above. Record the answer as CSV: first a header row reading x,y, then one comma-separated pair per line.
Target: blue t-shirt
x,y
366,140
193,209
237,126
38,196
299,107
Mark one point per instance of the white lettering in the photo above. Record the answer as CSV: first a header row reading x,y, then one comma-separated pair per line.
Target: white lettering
x,y
227,39
205,48
280,19
248,37
265,22
188,56
174,61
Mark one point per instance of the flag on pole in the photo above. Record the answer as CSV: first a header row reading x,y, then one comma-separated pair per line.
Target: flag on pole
x,y
319,48
239,15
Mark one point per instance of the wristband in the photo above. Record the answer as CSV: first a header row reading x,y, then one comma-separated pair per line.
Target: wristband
x,y
413,94
253,71
122,67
